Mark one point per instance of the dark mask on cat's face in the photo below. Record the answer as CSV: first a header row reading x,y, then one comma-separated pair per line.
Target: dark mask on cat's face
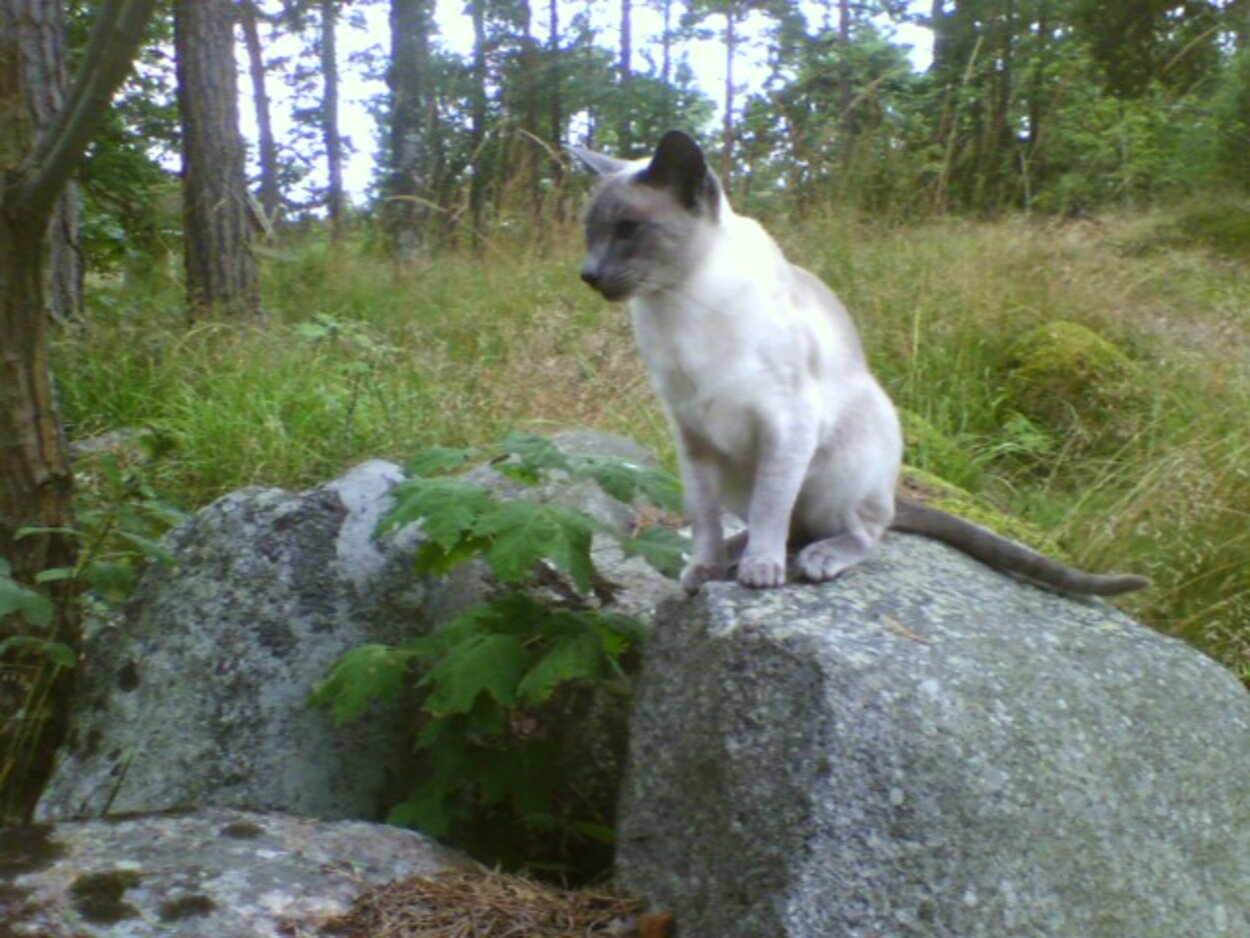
x,y
643,226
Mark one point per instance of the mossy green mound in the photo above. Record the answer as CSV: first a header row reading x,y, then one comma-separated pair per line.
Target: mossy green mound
x,y
1072,382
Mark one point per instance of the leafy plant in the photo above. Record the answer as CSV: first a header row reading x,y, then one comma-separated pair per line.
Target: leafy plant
x,y
36,611
491,776
362,354
461,520
119,523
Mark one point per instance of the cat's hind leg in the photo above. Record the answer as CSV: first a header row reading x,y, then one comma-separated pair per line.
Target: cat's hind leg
x,y
824,560
829,557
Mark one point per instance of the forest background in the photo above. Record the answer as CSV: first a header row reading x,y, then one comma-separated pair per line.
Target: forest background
x,y
1043,233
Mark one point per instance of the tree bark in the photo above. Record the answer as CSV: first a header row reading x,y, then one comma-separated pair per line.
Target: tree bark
x,y
626,76
44,54
727,130
937,23
220,266
36,484
66,273
667,108
845,87
407,179
477,183
330,117
524,103
999,137
270,190
556,103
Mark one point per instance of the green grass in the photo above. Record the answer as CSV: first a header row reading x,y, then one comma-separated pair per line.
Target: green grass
x,y
352,363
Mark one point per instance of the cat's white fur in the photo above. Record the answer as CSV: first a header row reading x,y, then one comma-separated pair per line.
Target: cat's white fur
x,y
778,417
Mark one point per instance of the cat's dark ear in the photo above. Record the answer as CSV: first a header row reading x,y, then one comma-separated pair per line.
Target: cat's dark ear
x,y
680,166
600,163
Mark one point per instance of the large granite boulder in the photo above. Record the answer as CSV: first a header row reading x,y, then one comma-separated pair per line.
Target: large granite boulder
x,y
925,747
197,694
213,873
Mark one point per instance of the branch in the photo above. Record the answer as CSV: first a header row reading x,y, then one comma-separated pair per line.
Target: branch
x,y
110,52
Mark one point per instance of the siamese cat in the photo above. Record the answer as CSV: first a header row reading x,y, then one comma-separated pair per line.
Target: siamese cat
x,y
776,415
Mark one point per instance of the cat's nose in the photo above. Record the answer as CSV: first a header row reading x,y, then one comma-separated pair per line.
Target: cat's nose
x,y
591,276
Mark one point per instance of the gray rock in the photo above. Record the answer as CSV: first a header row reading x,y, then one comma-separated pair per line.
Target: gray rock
x,y
198,694
213,873
925,747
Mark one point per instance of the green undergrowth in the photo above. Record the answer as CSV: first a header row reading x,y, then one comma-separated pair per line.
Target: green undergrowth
x,y
352,362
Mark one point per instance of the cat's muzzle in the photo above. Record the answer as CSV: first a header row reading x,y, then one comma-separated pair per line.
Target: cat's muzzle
x,y
608,288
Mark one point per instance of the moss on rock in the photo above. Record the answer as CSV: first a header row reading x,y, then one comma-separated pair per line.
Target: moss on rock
x,y
1072,381
925,487
98,896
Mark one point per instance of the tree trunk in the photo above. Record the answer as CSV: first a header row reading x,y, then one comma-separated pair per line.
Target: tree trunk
x,y
845,87
528,91
330,117
270,190
407,182
34,464
556,132
221,269
45,94
727,131
37,493
36,484
626,68
667,108
554,83
937,23
999,152
477,183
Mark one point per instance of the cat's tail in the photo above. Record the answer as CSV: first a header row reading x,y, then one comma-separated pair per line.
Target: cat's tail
x,y
1002,553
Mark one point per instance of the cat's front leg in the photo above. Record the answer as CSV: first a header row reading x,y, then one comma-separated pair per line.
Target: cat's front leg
x,y
709,558
783,461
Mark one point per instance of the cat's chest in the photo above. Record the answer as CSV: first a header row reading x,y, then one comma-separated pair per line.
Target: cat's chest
x,y
712,361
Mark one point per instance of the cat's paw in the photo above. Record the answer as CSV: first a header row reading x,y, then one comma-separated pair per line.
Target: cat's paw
x,y
825,560
762,572
696,574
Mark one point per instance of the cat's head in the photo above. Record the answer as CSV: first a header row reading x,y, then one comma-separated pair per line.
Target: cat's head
x,y
648,221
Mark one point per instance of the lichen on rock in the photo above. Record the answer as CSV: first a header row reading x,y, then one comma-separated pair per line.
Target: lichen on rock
x,y
190,873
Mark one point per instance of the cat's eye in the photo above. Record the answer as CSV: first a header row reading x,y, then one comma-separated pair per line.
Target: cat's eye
x,y
626,229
